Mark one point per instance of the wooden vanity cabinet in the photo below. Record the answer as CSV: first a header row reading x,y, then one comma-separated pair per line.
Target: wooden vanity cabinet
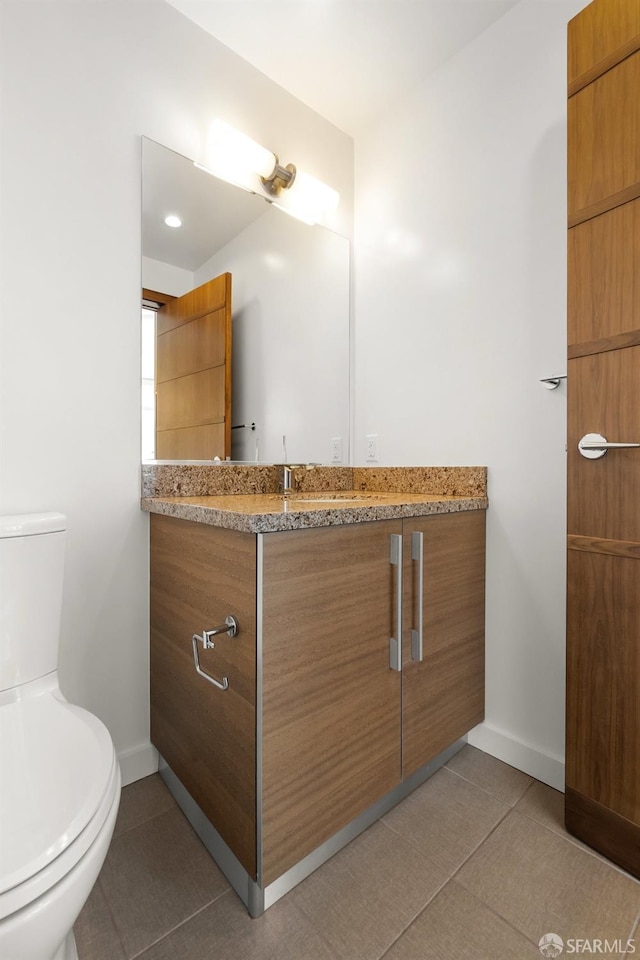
x,y
315,726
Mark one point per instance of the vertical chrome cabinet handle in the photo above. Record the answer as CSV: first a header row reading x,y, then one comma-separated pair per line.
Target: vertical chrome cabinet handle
x,y
417,556
230,627
395,642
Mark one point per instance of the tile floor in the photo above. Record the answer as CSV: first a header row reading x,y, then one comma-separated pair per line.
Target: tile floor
x,y
475,864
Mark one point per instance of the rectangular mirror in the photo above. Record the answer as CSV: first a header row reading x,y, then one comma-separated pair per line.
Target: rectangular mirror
x,y
274,376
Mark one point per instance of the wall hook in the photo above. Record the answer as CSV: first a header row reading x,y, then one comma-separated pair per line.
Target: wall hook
x,y
552,383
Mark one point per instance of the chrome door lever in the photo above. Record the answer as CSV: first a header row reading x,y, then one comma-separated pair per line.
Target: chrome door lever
x,y
594,445
230,627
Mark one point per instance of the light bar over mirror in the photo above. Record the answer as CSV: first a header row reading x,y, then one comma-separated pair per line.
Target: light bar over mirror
x,y
236,158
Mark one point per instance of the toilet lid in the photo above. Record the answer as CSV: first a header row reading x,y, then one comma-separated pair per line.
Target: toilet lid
x,y
55,764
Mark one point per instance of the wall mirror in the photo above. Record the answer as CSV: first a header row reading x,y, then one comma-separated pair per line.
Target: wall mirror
x,y
289,320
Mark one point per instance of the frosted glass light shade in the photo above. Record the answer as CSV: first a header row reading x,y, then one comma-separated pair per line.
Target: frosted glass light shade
x,y
234,157
308,199
237,158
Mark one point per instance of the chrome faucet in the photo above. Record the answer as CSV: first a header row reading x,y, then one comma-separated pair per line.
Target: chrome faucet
x,y
287,481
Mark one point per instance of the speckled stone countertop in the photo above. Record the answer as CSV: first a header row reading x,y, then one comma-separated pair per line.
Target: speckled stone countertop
x,y
207,479
270,512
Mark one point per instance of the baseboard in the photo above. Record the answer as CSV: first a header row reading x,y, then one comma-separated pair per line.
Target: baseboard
x,y
523,756
138,762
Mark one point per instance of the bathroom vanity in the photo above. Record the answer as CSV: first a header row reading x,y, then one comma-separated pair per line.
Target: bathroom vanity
x,y
356,668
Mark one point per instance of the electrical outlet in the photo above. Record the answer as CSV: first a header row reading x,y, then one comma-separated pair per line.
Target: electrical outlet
x,y
336,449
371,447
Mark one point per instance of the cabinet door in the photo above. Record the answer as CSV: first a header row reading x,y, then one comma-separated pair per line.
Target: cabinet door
x,y
443,694
199,575
331,707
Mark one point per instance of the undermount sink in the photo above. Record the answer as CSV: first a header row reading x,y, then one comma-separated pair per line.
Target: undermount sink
x,y
328,499
321,498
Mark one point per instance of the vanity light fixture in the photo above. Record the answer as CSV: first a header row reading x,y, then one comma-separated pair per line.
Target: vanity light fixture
x,y
307,199
173,221
240,160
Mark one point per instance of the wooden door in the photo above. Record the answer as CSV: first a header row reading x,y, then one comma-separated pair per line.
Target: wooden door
x,y
193,374
443,694
331,702
199,575
603,594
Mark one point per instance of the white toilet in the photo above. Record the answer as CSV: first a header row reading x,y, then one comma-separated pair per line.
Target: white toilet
x,y
59,774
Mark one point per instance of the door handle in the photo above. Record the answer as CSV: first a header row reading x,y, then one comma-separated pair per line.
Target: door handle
x,y
395,642
417,556
230,627
594,445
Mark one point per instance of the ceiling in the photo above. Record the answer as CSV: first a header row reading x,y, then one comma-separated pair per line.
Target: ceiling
x,y
348,60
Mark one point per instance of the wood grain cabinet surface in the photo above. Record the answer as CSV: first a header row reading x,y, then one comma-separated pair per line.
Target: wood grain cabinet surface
x,y
331,705
315,726
443,694
200,575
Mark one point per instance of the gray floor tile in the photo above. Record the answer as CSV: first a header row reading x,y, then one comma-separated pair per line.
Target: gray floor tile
x,y
634,940
368,893
225,931
546,806
156,875
458,926
541,883
446,818
160,896
142,800
497,778
96,936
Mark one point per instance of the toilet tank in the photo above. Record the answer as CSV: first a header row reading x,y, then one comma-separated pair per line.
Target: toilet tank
x,y
31,575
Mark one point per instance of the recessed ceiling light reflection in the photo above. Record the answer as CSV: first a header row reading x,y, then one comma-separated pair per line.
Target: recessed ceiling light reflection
x,y
173,221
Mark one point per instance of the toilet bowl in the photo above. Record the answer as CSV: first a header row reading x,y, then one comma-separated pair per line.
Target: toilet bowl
x,y
59,774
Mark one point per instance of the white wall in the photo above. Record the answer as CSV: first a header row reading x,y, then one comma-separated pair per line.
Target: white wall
x,y
290,295
81,83
460,309
165,277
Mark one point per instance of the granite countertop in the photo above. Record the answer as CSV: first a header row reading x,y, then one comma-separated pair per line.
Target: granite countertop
x,y
270,512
